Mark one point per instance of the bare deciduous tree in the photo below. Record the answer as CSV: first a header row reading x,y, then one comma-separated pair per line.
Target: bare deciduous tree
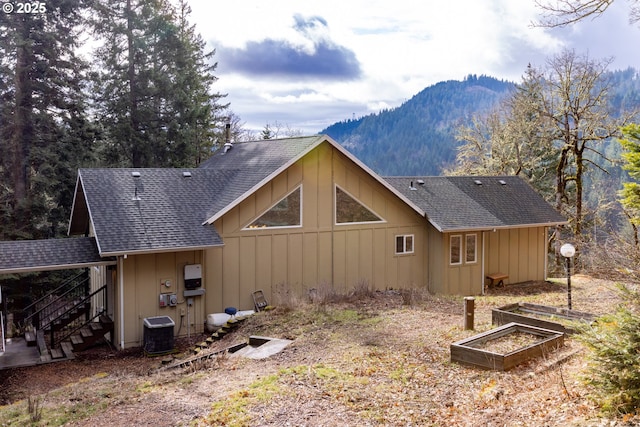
x,y
548,131
560,13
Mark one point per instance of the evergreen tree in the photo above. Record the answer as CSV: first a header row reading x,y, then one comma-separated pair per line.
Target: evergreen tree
x,y
267,133
154,84
42,118
631,190
197,112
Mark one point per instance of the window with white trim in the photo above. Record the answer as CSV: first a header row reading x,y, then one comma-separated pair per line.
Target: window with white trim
x,y
470,242
287,212
455,249
404,244
351,211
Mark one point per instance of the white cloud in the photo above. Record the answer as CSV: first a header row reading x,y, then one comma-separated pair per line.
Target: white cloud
x,y
388,51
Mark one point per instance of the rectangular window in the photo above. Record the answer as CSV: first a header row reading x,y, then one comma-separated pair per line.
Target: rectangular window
x,y
404,244
455,250
471,249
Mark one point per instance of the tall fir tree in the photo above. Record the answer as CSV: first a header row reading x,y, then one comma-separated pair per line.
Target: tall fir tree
x,y
42,118
155,100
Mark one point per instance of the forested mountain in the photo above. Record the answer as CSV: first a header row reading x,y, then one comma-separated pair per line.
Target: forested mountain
x,y
418,138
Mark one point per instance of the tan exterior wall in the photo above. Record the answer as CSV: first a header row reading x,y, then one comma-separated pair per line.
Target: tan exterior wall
x,y
519,252
436,261
464,278
143,277
320,252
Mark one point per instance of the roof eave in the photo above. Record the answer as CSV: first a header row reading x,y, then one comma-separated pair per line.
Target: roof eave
x,y
499,227
123,252
73,266
73,205
80,184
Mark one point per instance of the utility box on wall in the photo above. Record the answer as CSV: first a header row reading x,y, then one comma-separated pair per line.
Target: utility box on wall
x,y
192,276
168,300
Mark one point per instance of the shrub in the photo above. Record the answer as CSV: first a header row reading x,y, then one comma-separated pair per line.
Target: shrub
x,y
614,356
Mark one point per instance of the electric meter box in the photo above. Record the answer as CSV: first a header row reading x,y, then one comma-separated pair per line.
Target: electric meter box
x,y
192,276
158,335
168,300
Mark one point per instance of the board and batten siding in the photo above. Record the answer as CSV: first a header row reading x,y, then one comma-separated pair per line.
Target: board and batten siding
x,y
518,252
319,252
143,278
464,278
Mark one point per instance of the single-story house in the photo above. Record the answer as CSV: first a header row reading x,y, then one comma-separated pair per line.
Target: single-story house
x,y
296,213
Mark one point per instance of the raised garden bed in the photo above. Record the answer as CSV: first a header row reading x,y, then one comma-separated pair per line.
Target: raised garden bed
x,y
541,316
506,346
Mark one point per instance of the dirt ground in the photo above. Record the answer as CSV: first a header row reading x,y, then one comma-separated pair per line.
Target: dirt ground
x,y
387,365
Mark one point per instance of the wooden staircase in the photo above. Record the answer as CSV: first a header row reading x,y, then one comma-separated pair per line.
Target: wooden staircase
x,y
91,333
87,336
65,322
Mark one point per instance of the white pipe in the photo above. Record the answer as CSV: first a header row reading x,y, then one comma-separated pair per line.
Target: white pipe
x,y
121,292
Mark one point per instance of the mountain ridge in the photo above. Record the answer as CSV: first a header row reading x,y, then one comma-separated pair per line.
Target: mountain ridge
x,y
418,137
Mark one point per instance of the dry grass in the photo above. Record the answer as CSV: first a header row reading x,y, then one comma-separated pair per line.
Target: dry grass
x,y
365,358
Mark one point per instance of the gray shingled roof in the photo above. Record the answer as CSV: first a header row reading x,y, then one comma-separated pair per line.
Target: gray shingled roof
x,y
458,203
52,254
168,214
172,209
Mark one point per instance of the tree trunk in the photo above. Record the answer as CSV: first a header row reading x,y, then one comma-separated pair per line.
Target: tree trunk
x,y
579,173
136,152
22,127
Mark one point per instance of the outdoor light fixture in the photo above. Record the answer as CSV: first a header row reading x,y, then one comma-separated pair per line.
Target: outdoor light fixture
x,y
568,251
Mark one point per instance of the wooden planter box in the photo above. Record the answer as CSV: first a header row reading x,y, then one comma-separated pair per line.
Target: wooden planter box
x,y
470,351
542,316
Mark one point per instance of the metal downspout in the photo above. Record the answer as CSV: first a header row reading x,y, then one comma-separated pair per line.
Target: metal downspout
x,y
121,292
545,237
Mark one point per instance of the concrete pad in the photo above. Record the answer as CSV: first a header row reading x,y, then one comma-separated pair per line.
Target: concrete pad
x,y
18,354
262,347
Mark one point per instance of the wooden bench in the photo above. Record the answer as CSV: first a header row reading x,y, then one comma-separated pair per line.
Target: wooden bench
x,y
497,279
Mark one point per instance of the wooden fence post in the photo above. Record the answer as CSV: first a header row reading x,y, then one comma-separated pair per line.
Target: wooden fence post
x,y
469,309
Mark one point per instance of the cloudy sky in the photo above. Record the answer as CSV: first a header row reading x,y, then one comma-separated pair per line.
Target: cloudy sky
x,y
307,64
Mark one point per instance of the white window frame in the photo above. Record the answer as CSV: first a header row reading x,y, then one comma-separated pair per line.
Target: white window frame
x,y
249,228
460,247
404,244
335,208
475,248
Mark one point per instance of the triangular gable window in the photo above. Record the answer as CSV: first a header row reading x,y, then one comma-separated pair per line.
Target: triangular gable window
x,y
349,210
286,213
